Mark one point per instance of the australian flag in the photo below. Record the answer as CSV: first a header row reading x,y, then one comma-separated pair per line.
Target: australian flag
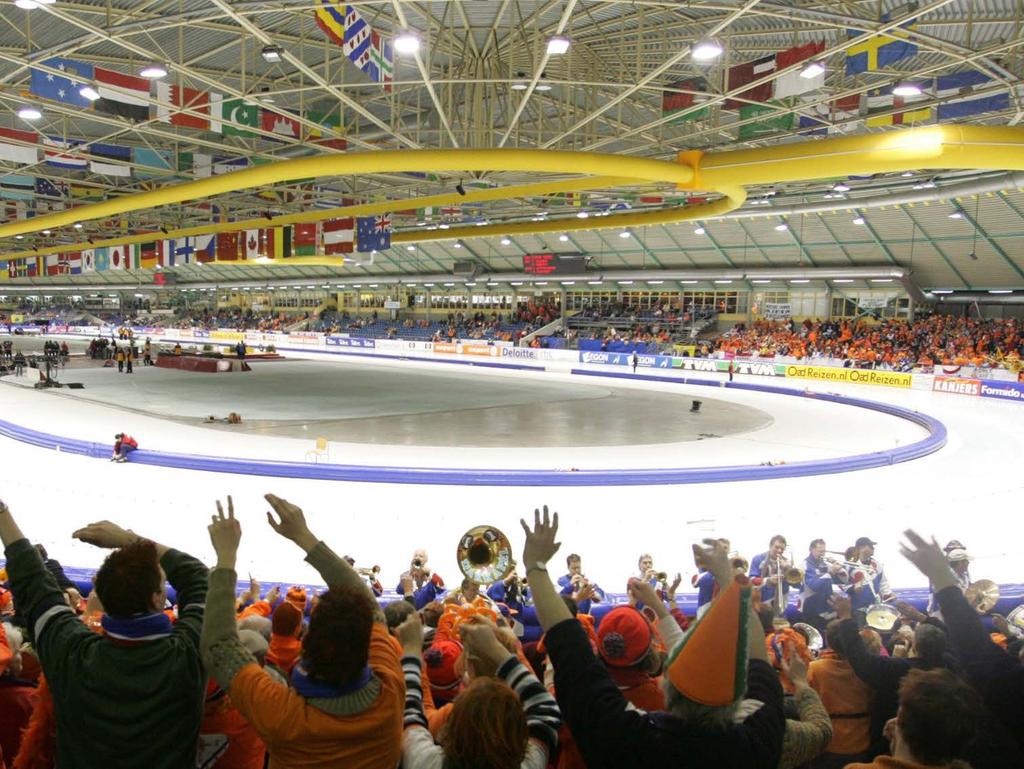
x,y
373,233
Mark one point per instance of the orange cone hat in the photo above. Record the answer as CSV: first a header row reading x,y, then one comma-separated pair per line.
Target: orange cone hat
x,y
709,666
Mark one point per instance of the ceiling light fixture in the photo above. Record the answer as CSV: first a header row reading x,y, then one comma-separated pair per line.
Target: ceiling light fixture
x,y
542,86
859,220
1001,291
699,231
456,245
723,282
153,72
706,50
410,248
88,91
506,242
77,225
800,280
29,113
813,69
781,227
841,187
624,234
563,238
519,85
906,88
406,43
271,53
582,215
761,280
558,45
907,174
942,291
28,5
956,215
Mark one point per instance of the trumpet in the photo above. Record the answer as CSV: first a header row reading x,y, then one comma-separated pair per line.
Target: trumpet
x,y
661,576
739,563
368,571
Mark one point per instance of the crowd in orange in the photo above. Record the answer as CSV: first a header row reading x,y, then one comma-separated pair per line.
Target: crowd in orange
x,y
896,344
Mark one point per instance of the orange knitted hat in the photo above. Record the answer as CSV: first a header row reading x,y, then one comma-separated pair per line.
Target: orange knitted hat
x,y
709,666
297,597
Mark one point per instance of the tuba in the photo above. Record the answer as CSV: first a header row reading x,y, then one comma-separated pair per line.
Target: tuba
x,y
485,555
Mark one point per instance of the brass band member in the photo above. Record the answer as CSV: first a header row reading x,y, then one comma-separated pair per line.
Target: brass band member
x,y
868,584
770,567
821,575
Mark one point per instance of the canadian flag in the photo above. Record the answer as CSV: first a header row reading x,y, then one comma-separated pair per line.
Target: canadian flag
x,y
253,244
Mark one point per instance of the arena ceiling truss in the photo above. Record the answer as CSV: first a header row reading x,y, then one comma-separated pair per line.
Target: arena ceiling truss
x,y
483,79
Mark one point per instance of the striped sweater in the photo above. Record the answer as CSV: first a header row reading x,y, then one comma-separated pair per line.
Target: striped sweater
x,y
542,716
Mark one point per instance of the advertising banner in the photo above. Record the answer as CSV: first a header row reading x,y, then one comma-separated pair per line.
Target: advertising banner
x,y
350,341
305,338
776,310
957,385
56,328
459,348
851,375
228,336
1007,391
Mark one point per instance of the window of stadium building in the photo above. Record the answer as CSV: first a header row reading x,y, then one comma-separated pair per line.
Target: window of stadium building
x,y
725,302
492,301
865,304
448,301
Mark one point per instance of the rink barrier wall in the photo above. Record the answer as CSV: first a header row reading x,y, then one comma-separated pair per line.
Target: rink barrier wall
x,y
935,439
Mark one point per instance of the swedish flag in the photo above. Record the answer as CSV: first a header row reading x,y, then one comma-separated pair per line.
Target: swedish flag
x,y
882,50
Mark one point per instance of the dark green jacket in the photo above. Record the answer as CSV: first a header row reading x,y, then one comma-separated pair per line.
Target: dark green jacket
x,y
117,706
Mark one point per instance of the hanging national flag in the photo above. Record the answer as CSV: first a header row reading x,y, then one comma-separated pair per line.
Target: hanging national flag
x,y
17,187
957,99
120,258
101,258
153,164
253,244
305,239
848,104
197,164
88,260
357,38
178,251
58,188
205,248
767,125
237,111
899,108
278,242
330,17
71,263
52,264
382,61
329,120
373,233
62,88
742,74
62,159
32,267
110,152
339,236
793,83
279,125
19,153
672,101
880,51
227,247
123,95
424,214
171,99
150,254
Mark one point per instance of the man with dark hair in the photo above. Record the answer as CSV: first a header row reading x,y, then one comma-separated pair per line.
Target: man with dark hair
x,y
883,674
937,720
769,567
344,705
141,668
574,581
55,569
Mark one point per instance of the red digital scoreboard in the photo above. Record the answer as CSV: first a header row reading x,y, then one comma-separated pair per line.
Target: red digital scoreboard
x,y
540,264
554,264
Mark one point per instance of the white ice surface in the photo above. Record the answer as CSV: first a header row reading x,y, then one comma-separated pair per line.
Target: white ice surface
x,y
970,490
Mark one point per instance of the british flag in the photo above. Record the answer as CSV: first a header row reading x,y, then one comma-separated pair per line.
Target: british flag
x,y
373,233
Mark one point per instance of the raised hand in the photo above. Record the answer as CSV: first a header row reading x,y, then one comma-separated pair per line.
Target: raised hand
x,y
674,586
642,592
714,557
410,635
105,534
292,524
929,558
480,637
272,595
540,543
794,667
225,534
842,606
